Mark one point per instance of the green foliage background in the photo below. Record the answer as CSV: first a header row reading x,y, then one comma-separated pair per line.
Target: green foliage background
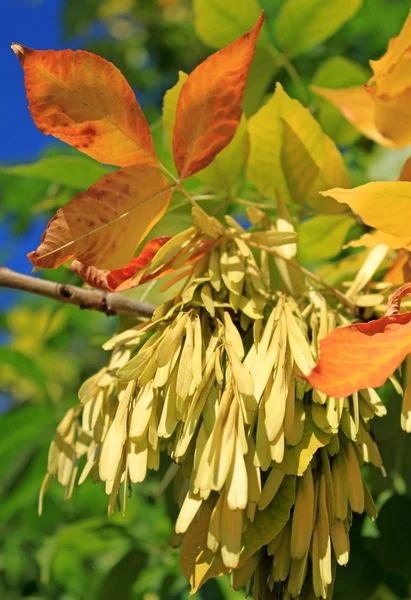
x,y
74,552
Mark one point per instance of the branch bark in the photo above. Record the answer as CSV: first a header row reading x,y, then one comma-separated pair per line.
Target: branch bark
x,y
110,303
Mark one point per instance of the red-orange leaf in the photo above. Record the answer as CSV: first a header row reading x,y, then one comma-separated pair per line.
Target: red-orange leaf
x,y
85,101
361,355
209,105
111,280
103,226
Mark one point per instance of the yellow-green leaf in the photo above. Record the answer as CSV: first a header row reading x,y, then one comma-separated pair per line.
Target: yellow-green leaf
x,y
220,23
303,24
383,205
322,237
170,106
290,155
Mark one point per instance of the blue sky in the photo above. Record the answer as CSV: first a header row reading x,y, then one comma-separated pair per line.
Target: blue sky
x,y
36,24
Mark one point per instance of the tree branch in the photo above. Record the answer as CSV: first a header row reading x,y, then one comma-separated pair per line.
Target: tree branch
x,y
110,303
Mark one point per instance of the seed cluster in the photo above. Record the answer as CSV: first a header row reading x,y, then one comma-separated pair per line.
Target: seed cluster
x,y
267,468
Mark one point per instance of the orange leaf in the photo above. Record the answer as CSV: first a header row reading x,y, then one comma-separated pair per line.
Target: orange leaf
x,y
361,355
111,280
103,226
209,105
85,101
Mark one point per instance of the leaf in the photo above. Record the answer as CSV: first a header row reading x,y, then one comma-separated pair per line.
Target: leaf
x,y
75,172
383,205
322,237
361,355
120,579
224,169
303,24
358,108
220,23
290,155
260,75
197,562
370,240
103,226
112,280
85,101
209,105
170,101
268,523
25,367
297,458
338,72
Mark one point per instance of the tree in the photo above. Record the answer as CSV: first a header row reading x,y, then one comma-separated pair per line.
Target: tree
x,y
215,386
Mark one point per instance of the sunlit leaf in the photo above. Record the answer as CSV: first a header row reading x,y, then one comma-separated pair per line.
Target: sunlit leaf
x,y
361,355
103,226
290,155
85,101
209,105
218,24
305,23
385,206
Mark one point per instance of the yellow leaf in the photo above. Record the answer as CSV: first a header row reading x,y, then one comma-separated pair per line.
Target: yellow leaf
x,y
370,240
384,205
382,108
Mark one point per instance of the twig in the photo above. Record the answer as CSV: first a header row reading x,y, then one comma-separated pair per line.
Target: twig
x,y
110,303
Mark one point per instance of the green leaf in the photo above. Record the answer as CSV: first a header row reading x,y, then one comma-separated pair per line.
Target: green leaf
x,y
322,237
220,23
297,458
25,366
269,522
261,72
75,172
338,72
291,156
119,581
303,24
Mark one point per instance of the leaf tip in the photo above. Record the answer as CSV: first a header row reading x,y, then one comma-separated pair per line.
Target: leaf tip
x,y
19,50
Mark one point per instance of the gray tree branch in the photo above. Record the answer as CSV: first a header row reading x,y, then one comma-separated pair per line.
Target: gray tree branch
x,y
110,303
